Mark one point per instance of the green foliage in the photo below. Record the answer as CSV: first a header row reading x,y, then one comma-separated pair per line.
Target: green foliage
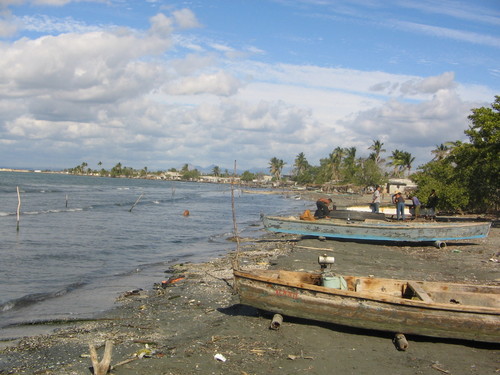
x,y
191,175
275,167
441,176
247,176
467,177
368,173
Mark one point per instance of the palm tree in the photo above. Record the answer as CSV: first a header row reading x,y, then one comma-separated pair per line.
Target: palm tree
x,y
216,171
441,152
407,160
275,167
301,164
334,161
83,166
397,162
116,170
350,155
377,150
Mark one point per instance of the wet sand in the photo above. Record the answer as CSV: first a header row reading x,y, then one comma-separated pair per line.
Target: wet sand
x,y
180,328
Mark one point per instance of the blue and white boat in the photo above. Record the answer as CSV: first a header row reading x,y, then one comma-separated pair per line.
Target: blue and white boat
x,y
378,230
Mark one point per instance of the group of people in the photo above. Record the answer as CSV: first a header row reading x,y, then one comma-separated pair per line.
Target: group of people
x,y
325,205
399,201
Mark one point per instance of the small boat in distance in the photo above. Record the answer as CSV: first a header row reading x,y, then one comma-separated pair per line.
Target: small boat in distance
x,y
435,309
377,230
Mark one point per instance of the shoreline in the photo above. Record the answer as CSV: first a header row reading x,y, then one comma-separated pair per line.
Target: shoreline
x,y
180,328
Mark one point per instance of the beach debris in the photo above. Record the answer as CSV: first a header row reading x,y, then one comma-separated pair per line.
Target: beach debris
x,y
219,357
436,366
276,322
172,280
134,292
301,356
145,352
400,342
101,368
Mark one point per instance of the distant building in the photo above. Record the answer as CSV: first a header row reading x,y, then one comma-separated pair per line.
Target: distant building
x,y
399,184
169,175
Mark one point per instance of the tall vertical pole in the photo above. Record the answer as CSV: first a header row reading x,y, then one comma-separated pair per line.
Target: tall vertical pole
x,y
236,262
18,207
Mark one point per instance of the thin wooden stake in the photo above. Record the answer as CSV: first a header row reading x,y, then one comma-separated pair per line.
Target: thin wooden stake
x,y
137,201
66,200
18,207
236,263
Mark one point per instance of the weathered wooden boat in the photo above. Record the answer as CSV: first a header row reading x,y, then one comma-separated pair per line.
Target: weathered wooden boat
x,y
435,309
389,210
376,230
347,214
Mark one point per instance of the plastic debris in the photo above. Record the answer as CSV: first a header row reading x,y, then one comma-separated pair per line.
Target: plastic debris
x,y
172,280
220,357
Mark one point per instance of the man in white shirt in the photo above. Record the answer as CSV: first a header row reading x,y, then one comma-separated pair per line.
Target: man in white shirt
x,y
376,200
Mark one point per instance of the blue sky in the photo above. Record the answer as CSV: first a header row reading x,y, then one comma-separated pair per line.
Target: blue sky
x,y
164,83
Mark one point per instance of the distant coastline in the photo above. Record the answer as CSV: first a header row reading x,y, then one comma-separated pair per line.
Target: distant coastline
x,y
18,170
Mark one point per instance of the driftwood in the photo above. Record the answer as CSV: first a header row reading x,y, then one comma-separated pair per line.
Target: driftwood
x,y
103,367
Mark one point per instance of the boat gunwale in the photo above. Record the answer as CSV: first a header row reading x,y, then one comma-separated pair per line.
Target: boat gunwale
x,y
370,223
389,299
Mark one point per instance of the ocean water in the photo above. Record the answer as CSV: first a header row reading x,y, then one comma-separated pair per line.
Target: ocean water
x,y
80,244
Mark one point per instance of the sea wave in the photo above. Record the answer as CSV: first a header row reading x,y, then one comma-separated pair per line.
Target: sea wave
x,y
34,298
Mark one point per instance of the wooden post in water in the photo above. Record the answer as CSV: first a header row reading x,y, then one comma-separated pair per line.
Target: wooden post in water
x,y
236,262
66,200
18,207
137,201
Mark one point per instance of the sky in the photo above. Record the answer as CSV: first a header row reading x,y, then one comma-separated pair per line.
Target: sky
x,y
161,84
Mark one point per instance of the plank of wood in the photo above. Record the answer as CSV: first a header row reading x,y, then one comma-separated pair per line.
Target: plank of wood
x,y
420,292
315,248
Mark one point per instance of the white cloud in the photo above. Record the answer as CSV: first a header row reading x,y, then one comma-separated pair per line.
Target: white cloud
x,y
220,83
161,25
185,19
429,85
107,93
444,32
46,24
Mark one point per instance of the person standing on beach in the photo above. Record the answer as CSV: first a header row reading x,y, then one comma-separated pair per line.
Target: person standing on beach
x,y
415,206
400,206
431,205
323,208
376,200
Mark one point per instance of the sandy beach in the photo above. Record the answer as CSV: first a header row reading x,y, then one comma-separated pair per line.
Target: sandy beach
x,y
179,328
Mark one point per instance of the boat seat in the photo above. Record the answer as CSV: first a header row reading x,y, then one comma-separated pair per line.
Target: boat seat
x,y
419,292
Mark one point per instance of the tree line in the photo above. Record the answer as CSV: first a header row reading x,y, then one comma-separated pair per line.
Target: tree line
x,y
465,174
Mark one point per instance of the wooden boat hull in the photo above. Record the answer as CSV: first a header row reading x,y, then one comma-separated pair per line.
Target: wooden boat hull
x,y
382,308
356,215
379,230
